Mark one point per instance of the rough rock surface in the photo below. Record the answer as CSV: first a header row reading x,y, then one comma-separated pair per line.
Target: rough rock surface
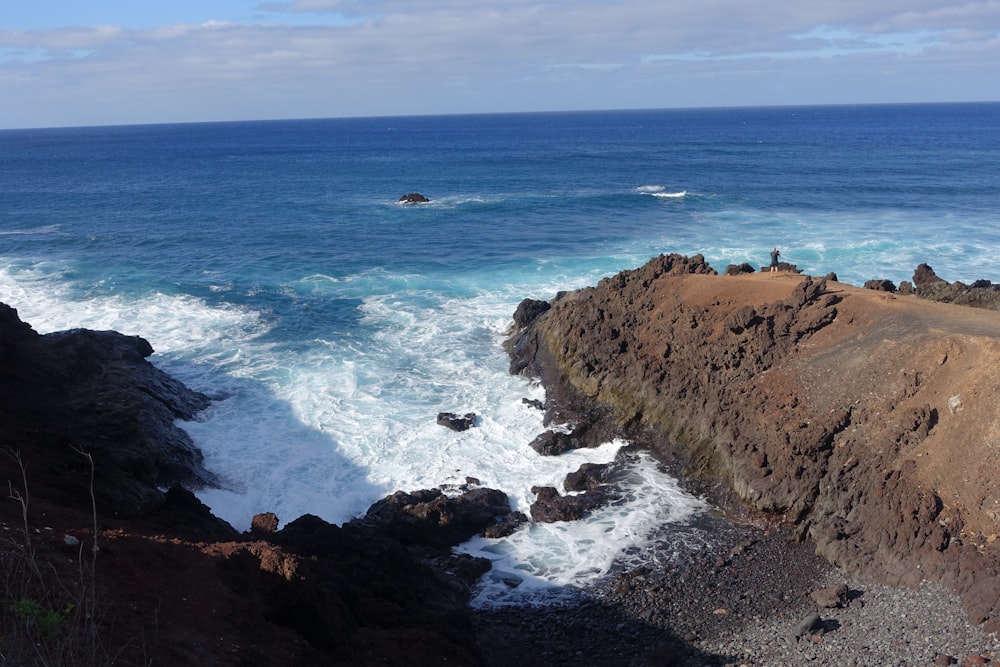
x,y
79,392
927,285
456,422
867,420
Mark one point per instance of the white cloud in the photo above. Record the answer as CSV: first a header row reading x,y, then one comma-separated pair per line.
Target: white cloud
x,y
438,56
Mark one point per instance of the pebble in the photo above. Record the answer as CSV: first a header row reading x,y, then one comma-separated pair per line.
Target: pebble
x,y
668,610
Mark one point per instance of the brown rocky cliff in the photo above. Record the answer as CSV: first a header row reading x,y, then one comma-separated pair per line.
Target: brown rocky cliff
x,y
869,420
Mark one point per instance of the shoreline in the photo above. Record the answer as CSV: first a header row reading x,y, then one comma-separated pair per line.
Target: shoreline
x,y
823,441
739,600
744,595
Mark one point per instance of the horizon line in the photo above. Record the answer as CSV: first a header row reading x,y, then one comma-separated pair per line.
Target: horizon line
x,y
499,113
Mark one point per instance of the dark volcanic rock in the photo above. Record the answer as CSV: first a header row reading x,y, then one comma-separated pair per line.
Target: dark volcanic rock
x,y
553,443
924,276
880,285
413,198
356,595
550,507
456,422
737,269
78,392
507,525
927,285
431,518
590,476
528,310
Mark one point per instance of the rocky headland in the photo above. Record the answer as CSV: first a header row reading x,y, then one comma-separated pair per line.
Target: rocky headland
x,y
849,436
864,421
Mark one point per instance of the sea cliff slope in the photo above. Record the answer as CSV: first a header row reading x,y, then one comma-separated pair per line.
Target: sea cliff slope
x,y
867,419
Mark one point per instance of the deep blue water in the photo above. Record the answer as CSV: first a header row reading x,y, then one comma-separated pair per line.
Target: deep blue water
x,y
269,265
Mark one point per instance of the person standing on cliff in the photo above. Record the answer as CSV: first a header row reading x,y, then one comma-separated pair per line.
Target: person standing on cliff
x,y
774,261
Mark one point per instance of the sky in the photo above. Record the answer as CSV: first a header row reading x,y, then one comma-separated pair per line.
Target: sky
x,y
110,62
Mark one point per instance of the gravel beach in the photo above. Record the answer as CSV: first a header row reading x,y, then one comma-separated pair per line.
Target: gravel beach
x,y
746,596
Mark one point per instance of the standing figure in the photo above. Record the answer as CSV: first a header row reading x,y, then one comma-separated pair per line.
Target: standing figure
x,y
774,261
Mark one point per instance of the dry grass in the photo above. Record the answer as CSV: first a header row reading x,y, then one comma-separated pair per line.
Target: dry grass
x,y
49,613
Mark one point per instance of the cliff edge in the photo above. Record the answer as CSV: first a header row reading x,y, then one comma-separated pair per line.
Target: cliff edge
x,y
867,419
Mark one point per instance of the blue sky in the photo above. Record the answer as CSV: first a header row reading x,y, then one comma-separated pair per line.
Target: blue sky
x,y
99,62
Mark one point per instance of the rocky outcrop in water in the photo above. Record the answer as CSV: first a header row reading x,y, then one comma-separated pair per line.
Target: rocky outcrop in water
x,y
867,420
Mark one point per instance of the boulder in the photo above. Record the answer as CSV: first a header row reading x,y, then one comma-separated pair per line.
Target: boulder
x,y
429,517
880,285
737,269
413,198
590,476
831,596
455,422
550,507
924,276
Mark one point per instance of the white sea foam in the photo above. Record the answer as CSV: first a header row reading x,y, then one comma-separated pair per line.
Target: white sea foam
x,y
173,324
660,191
44,229
547,560
332,428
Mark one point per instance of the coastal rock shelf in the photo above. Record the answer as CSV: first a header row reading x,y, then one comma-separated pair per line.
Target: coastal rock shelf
x,y
865,418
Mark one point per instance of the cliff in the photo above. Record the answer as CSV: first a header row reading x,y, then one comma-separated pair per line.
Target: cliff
x,y
867,419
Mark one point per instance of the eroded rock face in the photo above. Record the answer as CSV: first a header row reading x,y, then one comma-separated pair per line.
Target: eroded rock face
x,y
795,401
430,517
79,392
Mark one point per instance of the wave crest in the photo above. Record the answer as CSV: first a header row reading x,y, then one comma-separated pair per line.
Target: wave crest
x,y
660,191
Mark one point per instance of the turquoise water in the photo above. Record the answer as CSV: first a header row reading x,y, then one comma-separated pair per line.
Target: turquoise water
x,y
270,266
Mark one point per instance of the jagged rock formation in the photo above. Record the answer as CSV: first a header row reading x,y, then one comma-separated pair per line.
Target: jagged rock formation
x,y
74,392
868,420
927,285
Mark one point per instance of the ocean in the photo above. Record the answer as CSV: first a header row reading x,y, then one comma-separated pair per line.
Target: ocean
x,y
271,266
